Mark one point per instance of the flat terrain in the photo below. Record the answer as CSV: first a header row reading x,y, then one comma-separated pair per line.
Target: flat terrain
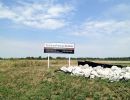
x,y
32,80
125,63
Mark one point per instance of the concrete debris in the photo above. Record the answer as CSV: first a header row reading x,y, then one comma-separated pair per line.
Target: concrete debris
x,y
113,74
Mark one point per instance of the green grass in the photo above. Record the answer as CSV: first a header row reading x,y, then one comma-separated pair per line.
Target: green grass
x,y
32,80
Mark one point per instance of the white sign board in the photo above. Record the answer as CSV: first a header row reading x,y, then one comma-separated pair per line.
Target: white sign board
x,y
59,48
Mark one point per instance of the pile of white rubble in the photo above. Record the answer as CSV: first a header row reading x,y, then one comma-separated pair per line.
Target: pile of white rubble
x,y
113,74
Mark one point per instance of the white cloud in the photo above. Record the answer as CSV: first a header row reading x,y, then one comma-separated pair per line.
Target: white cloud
x,y
38,15
5,12
56,10
103,28
103,38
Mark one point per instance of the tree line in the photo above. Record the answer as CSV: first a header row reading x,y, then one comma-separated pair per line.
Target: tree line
x,y
64,58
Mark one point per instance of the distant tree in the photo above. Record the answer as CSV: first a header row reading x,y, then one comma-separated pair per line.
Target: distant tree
x,y
61,58
11,58
50,57
29,58
39,58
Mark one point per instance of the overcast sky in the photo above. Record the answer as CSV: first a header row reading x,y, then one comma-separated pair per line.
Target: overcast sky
x,y
99,28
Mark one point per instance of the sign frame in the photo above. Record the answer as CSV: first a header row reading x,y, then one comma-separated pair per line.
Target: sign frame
x,y
60,48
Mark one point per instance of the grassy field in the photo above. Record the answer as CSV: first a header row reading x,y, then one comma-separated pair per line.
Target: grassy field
x,y
32,80
124,63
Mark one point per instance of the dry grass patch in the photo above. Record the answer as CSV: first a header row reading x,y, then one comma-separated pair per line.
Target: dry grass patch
x,y
31,79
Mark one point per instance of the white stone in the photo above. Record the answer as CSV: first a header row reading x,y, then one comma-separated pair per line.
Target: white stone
x,y
113,74
64,69
128,69
127,76
70,69
92,76
93,72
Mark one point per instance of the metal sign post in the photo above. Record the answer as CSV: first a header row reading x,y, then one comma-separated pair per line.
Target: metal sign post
x,y
48,61
69,60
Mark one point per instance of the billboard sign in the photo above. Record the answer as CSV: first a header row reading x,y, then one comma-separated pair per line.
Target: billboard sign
x,y
64,48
